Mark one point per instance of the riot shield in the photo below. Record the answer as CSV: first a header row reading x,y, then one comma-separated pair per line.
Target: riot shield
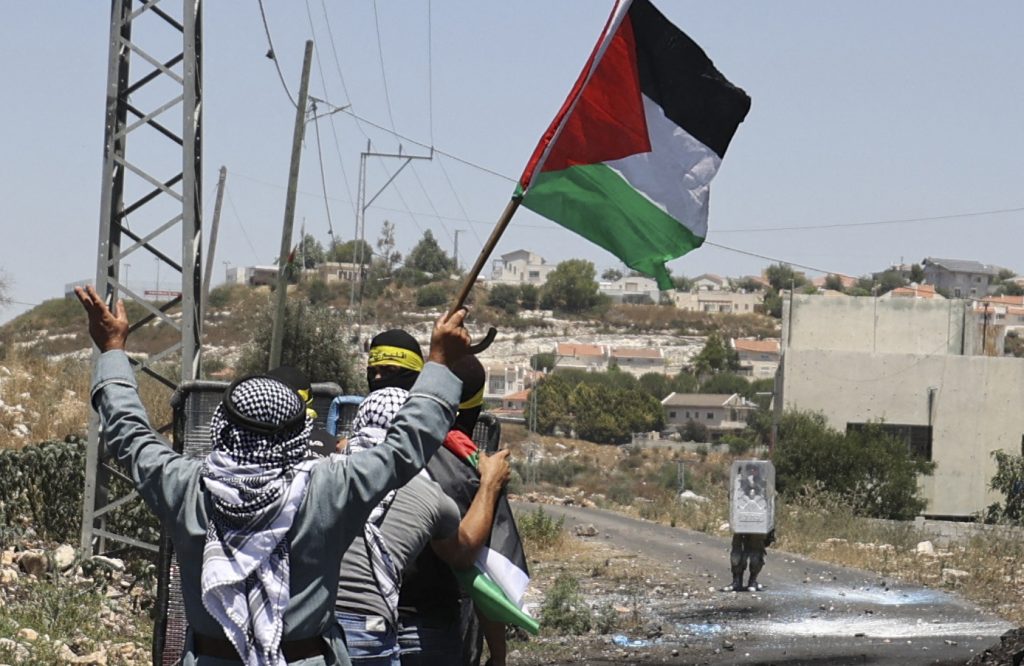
x,y
752,497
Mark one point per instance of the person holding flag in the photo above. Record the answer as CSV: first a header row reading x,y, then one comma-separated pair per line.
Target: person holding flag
x,y
437,619
419,515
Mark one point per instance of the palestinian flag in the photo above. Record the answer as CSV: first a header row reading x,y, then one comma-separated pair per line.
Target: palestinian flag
x,y
500,576
628,160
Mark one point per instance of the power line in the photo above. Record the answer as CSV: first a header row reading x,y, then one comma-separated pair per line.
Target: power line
x,y
272,54
430,69
428,146
234,211
778,261
323,179
458,200
383,72
909,220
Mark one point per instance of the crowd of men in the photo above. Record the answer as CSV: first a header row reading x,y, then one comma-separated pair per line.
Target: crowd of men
x,y
295,548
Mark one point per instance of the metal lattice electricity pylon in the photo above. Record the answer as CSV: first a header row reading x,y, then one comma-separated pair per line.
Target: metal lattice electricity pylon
x,y
159,115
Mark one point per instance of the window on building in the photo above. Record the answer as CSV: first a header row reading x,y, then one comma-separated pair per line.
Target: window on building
x,y
917,438
956,293
672,415
711,415
534,275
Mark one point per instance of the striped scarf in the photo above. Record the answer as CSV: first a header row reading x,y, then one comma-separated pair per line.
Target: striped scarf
x,y
256,483
370,428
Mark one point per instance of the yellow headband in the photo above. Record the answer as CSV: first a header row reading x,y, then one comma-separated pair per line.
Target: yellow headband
x,y
307,397
403,358
475,401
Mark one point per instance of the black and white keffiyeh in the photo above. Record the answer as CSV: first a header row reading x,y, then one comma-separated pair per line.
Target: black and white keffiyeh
x,y
369,429
256,482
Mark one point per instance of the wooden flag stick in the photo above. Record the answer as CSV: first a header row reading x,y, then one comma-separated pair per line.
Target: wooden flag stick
x,y
485,252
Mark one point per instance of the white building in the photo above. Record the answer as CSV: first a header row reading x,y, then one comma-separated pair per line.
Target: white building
x,y
727,302
520,267
759,359
633,289
721,414
918,366
638,360
710,282
252,276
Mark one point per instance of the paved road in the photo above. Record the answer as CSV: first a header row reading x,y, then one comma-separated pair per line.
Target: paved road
x,y
810,613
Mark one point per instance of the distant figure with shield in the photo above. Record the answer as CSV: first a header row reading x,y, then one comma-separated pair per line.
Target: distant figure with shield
x,y
752,518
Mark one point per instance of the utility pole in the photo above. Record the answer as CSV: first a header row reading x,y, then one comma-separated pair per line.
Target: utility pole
x,y
455,255
214,229
276,340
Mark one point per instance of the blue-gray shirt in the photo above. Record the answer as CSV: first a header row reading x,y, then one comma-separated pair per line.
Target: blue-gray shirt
x,y
340,495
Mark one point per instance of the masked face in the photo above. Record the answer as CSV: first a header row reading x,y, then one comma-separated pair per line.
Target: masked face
x,y
390,376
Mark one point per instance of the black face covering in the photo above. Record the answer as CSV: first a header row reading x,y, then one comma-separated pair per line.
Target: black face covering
x,y
473,376
466,420
403,379
396,374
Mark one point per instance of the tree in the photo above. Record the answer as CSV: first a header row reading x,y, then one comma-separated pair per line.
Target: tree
x,y
871,470
386,248
682,283
656,384
916,273
693,431
834,282
890,280
311,252
529,296
716,356
352,252
428,257
611,275
504,297
315,342
571,287
782,276
542,361
1009,482
725,383
5,289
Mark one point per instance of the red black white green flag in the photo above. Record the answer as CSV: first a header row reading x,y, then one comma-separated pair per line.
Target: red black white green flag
x,y
628,160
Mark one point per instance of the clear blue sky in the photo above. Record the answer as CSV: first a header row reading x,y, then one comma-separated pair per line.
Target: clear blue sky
x,y
862,111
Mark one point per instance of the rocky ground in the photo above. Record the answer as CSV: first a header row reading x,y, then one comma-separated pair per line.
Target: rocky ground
x,y
56,608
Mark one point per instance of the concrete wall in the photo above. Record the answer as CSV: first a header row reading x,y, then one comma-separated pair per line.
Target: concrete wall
x,y
977,406
898,325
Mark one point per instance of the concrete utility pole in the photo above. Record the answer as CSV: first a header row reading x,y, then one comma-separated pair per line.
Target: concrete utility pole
x,y
214,229
276,340
455,255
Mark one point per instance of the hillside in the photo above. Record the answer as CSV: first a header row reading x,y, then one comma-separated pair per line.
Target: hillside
x,y
45,352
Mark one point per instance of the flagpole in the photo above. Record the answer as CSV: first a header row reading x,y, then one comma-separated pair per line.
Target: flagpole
x,y
499,229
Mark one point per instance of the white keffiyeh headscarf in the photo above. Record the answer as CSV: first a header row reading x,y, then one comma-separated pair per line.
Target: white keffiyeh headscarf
x,y
369,429
257,482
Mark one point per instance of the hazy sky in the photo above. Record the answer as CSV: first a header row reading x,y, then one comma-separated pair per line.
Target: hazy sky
x,y
862,112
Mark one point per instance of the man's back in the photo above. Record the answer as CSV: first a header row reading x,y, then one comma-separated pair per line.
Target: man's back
x,y
419,513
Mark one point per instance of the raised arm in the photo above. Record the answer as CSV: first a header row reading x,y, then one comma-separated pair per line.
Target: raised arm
x,y
159,474
416,431
460,550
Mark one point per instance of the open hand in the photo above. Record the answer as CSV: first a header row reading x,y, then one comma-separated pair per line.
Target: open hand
x,y
450,341
109,330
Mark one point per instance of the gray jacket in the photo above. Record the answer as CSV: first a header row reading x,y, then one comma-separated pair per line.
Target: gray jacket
x,y
339,498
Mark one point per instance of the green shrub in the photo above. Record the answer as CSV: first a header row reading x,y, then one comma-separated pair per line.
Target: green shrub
x,y
42,486
564,610
539,530
431,296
